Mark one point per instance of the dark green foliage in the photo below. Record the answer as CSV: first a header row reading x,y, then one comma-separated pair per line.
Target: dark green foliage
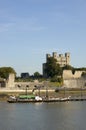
x,y
52,68
68,67
37,74
5,71
84,74
19,79
81,69
57,79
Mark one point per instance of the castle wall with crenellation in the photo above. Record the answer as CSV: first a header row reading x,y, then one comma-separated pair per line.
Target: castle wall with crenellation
x,y
62,60
67,74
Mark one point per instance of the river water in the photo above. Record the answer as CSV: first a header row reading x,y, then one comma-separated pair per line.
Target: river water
x,y
43,116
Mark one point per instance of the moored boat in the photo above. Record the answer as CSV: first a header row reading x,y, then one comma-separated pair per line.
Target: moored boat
x,y
24,99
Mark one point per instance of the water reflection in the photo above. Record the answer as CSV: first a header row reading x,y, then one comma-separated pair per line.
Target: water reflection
x,y
43,116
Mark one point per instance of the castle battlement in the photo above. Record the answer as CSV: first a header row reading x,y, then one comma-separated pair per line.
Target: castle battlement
x,y
62,60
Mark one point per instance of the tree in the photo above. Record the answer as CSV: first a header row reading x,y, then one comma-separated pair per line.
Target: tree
x,y
5,71
84,74
53,68
37,75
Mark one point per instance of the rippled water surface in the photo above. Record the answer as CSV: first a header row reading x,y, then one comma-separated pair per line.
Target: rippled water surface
x,y
43,116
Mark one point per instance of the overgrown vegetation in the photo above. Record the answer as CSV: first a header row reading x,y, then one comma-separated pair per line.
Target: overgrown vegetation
x,y
53,70
5,71
84,74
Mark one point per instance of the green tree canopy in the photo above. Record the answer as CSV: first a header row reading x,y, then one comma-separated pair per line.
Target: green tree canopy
x,y
52,68
84,74
37,74
5,71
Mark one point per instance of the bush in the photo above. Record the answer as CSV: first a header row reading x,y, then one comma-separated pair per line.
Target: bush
x,y
57,79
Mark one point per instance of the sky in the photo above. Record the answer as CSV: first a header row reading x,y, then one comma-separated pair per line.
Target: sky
x,y
31,28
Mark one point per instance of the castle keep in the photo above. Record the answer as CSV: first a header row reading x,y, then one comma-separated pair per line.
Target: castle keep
x,y
62,60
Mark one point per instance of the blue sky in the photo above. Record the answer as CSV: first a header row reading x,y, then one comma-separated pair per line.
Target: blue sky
x,y
31,28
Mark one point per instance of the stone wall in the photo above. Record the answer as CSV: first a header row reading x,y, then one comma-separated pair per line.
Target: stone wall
x,y
75,83
22,85
70,81
10,81
73,80
67,74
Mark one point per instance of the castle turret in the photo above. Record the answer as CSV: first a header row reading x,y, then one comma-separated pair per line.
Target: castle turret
x,y
62,60
55,55
47,56
10,81
67,55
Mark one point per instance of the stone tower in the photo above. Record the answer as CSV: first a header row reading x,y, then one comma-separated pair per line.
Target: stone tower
x,y
10,81
62,60
55,55
47,56
67,55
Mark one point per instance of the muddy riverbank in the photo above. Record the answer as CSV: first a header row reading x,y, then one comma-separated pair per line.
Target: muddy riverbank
x,y
43,93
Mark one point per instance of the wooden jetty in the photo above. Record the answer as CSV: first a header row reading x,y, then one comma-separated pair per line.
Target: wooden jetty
x,y
47,100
